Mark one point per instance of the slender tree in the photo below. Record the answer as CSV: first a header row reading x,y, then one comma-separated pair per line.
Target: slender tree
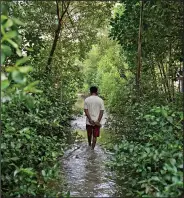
x,y
60,16
139,53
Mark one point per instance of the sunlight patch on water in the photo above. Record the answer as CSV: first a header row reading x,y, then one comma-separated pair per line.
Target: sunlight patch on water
x,y
87,174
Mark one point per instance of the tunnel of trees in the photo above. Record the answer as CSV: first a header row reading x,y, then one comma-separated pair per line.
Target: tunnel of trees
x,y
132,50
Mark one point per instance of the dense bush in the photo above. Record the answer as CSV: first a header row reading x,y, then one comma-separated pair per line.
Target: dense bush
x,y
36,114
29,162
32,137
142,97
151,163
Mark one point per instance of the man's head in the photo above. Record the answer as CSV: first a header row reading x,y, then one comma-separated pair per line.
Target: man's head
x,y
93,90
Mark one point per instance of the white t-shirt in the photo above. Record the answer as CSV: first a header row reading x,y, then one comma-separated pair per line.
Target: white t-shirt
x,y
94,104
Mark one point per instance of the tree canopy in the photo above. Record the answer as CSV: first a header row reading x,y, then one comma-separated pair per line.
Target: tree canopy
x,y
53,50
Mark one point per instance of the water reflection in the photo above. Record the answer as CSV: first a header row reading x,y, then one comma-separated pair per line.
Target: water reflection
x,y
87,174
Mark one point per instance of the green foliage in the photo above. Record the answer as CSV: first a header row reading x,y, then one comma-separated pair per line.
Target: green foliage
x,y
146,129
149,144
152,167
29,157
30,162
37,108
161,47
103,66
149,170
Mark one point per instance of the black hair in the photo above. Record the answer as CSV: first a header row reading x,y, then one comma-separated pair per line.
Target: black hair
x,y
93,89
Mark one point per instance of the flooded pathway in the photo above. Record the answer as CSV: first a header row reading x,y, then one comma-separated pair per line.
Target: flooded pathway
x,y
85,169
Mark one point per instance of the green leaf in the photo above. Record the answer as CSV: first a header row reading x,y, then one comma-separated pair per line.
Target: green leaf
x,y
25,69
154,178
2,32
34,83
153,123
18,77
12,43
170,119
8,24
33,90
6,50
43,173
12,145
19,53
28,171
14,158
164,112
5,84
181,115
170,128
29,49
18,22
172,161
147,149
10,35
3,57
22,61
31,85
27,135
11,69
15,172
175,179
3,17
167,177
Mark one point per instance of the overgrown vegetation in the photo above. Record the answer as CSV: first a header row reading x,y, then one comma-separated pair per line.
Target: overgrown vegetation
x,y
29,154
41,74
132,51
152,157
142,96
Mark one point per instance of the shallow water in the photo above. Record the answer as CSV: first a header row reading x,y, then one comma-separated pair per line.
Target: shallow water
x,y
85,169
87,174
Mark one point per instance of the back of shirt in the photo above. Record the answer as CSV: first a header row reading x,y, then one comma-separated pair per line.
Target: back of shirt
x,y
94,104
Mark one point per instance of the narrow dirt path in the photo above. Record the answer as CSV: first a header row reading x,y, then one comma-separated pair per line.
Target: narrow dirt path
x,y
85,169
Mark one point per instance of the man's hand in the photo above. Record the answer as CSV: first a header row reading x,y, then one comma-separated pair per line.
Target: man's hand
x,y
91,122
97,123
89,118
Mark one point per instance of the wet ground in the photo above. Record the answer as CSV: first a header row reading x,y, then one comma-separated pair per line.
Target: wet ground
x,y
85,169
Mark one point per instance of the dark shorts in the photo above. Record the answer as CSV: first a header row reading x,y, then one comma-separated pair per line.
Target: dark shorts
x,y
95,130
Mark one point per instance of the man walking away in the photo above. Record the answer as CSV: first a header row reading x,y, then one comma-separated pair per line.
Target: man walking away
x,y
94,109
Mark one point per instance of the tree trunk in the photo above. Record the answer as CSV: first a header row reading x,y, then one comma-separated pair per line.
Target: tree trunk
x,y
57,33
139,58
162,79
166,82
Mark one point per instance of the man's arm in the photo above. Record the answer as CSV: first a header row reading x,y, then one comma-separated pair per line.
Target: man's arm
x,y
100,115
88,116
101,111
87,113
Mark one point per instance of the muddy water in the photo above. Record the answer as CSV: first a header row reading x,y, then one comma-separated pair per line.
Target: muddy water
x,y
85,169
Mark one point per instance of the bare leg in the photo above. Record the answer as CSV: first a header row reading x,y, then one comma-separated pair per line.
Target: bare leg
x,y
89,134
89,139
94,142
